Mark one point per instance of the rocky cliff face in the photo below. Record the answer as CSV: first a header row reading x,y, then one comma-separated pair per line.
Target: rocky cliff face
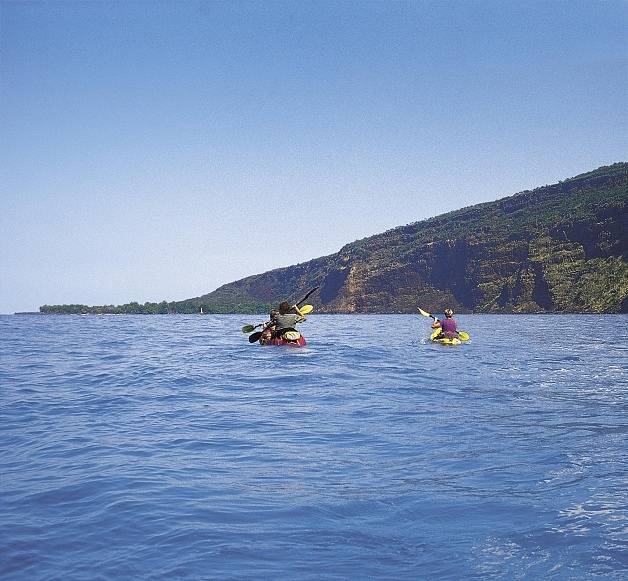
x,y
559,248
556,249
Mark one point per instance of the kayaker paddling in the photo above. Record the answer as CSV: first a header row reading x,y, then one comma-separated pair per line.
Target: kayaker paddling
x,y
449,326
287,317
282,323
280,329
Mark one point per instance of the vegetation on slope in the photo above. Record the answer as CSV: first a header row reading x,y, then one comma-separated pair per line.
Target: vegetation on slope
x,y
558,248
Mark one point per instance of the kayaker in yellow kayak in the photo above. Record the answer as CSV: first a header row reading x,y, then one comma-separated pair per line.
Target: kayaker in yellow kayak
x,y
449,326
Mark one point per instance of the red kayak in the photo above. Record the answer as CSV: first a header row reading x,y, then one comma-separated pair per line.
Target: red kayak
x,y
290,338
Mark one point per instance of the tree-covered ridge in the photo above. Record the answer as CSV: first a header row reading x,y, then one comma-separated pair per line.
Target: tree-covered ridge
x,y
557,248
148,308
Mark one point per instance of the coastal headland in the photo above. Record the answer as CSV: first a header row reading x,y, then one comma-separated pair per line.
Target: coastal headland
x,y
559,248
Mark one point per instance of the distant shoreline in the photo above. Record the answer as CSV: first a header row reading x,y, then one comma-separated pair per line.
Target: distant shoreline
x,y
35,313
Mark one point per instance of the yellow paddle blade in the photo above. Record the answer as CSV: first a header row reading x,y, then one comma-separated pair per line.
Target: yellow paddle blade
x,y
425,313
464,336
305,309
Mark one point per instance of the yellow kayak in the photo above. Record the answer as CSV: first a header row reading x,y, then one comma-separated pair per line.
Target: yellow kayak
x,y
436,338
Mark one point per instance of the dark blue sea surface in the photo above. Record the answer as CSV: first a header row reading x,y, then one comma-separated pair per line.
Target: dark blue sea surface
x,y
168,447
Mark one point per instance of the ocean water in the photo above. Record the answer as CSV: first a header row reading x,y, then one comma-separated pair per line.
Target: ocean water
x,y
168,447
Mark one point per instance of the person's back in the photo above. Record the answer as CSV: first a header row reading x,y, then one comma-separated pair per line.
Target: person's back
x,y
286,318
286,321
449,327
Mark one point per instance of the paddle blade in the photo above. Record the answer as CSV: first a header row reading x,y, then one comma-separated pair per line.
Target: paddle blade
x,y
255,337
426,314
464,336
248,328
306,309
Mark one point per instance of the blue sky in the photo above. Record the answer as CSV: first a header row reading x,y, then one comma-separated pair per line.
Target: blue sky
x,y
149,149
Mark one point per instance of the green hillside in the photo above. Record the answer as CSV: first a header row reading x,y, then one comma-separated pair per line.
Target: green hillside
x,y
560,248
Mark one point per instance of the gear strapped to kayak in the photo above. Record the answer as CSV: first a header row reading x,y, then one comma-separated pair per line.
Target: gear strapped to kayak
x,y
290,338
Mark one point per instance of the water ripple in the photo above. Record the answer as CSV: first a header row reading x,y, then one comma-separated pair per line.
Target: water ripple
x,y
169,447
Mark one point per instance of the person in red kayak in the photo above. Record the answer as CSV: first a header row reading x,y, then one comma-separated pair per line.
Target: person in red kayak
x,y
448,326
281,320
287,317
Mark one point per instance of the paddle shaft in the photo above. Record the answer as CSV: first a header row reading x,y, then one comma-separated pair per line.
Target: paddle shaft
x,y
306,296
